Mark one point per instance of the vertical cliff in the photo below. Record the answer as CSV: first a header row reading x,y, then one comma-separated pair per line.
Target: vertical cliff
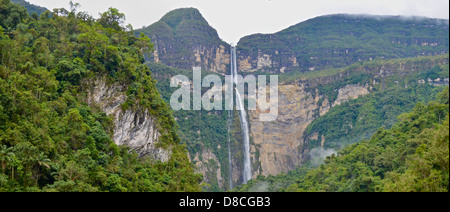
x,y
280,143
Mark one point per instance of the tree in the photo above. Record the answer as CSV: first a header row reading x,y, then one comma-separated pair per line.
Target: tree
x,y
11,15
6,155
72,172
76,128
41,160
112,19
92,41
144,44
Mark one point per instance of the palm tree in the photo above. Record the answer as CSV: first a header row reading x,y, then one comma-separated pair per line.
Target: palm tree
x,y
41,160
6,155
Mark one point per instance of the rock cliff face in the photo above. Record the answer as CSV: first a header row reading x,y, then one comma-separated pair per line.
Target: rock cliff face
x,y
207,164
350,92
134,128
280,143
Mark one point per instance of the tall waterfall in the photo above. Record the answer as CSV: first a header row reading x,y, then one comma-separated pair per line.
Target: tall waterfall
x,y
247,173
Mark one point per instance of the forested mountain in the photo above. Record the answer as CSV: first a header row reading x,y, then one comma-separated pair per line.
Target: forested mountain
x,y
336,41
30,7
183,39
59,132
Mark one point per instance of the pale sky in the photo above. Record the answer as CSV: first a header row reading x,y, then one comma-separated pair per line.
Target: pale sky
x,y
234,19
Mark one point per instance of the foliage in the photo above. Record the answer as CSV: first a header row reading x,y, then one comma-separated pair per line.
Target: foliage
x,y
373,67
50,139
112,19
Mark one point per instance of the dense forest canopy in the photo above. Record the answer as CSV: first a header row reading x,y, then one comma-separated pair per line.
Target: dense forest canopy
x,y
50,139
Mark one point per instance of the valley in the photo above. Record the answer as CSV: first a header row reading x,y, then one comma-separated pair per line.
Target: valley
x,y
85,104
314,79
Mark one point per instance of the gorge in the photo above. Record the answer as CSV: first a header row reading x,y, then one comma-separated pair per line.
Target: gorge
x,y
322,63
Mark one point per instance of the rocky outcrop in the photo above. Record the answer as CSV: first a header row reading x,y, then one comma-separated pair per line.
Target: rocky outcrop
x,y
209,166
350,92
280,146
135,128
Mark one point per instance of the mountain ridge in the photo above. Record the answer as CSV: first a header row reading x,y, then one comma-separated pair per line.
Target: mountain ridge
x,y
335,41
183,39
32,8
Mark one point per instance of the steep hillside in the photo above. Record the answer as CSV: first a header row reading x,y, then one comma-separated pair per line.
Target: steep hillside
x,y
336,41
183,39
80,111
359,119
410,157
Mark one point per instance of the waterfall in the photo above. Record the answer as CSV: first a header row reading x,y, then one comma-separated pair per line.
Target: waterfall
x,y
247,173
230,165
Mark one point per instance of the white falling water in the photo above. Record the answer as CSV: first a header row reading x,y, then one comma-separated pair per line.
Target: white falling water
x,y
247,173
230,165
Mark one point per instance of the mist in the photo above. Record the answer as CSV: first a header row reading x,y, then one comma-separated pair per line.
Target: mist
x,y
318,155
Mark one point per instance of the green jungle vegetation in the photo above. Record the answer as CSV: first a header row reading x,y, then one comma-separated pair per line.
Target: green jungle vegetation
x,y
412,156
50,139
354,46
416,63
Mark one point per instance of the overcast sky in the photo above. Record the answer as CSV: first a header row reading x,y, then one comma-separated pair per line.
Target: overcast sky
x,y
234,19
